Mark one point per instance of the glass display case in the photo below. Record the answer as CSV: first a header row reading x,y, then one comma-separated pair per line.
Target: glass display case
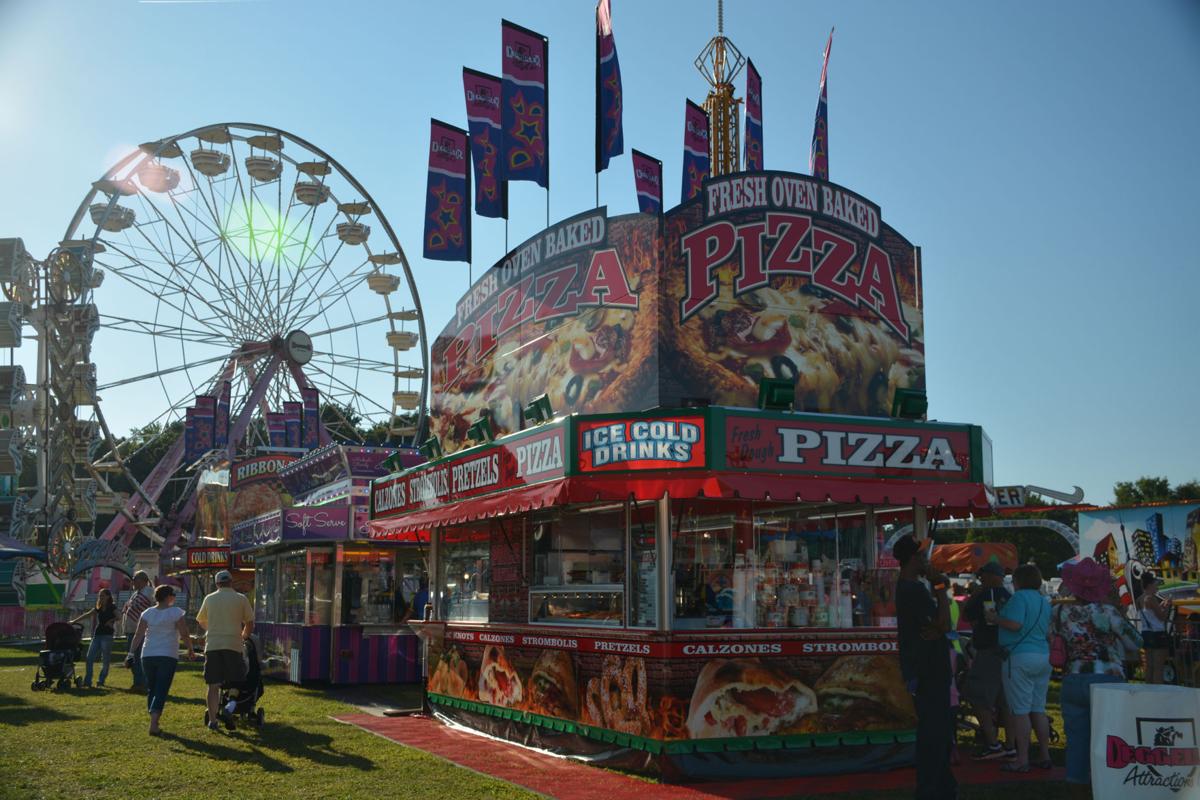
x,y
465,573
597,604
771,566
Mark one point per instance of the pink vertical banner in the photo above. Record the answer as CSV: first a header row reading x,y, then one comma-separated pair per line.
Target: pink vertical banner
x,y
695,151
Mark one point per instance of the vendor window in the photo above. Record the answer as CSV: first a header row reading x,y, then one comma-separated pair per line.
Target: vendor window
x,y
293,585
739,565
381,586
320,605
579,566
265,588
464,576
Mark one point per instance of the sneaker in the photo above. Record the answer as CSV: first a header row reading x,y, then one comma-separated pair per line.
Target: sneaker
x,y
213,726
992,753
1010,753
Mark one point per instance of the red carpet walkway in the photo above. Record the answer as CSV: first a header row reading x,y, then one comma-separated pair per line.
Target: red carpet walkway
x,y
571,780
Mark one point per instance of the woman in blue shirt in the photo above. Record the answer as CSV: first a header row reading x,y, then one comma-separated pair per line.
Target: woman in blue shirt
x,y
1024,633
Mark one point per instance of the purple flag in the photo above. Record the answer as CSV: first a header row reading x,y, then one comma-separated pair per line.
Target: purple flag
x,y
221,429
525,105
695,151
277,429
483,122
647,180
190,449
447,215
292,414
311,436
610,135
818,156
754,132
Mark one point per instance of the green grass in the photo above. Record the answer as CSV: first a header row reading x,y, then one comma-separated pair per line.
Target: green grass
x,y
93,744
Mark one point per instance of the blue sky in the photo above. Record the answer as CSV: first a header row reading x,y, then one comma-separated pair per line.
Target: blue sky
x,y
1042,154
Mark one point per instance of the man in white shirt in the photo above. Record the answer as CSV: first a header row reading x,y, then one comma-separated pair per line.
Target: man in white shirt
x,y
227,618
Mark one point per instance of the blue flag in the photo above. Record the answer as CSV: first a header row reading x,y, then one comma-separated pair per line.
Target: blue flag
x,y
525,105
610,135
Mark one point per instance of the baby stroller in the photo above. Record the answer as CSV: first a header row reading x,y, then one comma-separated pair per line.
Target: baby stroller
x,y
56,662
240,700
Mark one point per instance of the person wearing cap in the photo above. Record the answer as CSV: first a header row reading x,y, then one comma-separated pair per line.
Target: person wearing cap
x,y
1096,636
922,621
984,687
131,613
228,619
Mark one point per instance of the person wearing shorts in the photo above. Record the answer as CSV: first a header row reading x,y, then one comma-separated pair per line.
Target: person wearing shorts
x,y
1024,624
983,688
228,619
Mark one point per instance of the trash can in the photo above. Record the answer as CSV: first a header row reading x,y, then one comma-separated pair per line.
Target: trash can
x,y
1144,742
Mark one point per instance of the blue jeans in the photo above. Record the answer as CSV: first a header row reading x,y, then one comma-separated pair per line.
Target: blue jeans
x,y
1077,720
160,671
101,646
139,677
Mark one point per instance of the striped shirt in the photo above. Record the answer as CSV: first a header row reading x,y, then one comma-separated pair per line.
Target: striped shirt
x,y
134,607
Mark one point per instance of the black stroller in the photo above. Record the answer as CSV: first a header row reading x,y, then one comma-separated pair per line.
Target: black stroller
x,y
240,700
56,662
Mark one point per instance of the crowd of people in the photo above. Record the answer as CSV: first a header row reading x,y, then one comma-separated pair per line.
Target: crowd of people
x,y
1018,639
158,634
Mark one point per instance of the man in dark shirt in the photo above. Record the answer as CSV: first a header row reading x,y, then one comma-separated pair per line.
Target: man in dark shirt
x,y
983,688
923,620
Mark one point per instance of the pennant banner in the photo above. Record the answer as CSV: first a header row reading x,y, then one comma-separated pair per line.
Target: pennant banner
x,y
610,136
647,180
221,429
754,134
525,105
447,215
818,156
292,415
695,151
191,451
277,429
310,430
483,122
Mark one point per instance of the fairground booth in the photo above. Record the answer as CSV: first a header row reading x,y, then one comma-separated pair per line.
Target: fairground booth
x,y
329,604
665,453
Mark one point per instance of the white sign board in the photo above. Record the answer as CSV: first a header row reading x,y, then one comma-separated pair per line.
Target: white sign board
x,y
1144,743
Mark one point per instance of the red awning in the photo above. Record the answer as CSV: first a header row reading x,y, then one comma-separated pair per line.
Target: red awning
x,y
651,486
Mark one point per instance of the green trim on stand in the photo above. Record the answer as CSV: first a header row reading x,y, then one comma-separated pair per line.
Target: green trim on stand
x,y
679,746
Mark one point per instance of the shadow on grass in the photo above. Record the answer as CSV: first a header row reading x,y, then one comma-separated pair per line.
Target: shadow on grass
x,y
315,747
209,746
18,712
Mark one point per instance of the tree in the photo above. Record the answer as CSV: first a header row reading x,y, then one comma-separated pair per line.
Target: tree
x,y
1147,489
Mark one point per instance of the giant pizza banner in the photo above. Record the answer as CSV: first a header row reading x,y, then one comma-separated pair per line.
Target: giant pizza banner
x,y
570,313
778,275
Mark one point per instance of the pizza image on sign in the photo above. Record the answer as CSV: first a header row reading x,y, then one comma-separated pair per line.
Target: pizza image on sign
x,y
772,275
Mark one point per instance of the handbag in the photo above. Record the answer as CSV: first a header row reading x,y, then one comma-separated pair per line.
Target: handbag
x,y
1058,645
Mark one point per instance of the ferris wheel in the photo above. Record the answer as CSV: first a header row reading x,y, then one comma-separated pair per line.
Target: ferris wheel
x,y
233,259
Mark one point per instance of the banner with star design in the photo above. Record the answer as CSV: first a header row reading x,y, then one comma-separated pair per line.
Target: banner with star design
x,y
482,93
447,213
695,151
525,105
754,132
647,181
818,156
610,135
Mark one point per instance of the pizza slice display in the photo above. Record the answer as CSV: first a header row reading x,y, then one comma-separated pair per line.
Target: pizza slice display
x,y
499,682
745,697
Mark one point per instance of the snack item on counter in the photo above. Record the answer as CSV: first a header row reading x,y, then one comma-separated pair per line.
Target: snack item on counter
x,y
745,697
553,690
451,675
499,681
866,692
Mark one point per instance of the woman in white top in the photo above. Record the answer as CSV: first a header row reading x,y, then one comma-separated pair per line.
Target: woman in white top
x,y
159,631
1154,627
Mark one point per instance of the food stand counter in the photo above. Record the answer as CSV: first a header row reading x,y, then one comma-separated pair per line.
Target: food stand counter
x,y
730,610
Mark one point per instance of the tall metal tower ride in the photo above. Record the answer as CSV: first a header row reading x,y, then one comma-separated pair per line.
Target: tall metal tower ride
x,y
719,63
